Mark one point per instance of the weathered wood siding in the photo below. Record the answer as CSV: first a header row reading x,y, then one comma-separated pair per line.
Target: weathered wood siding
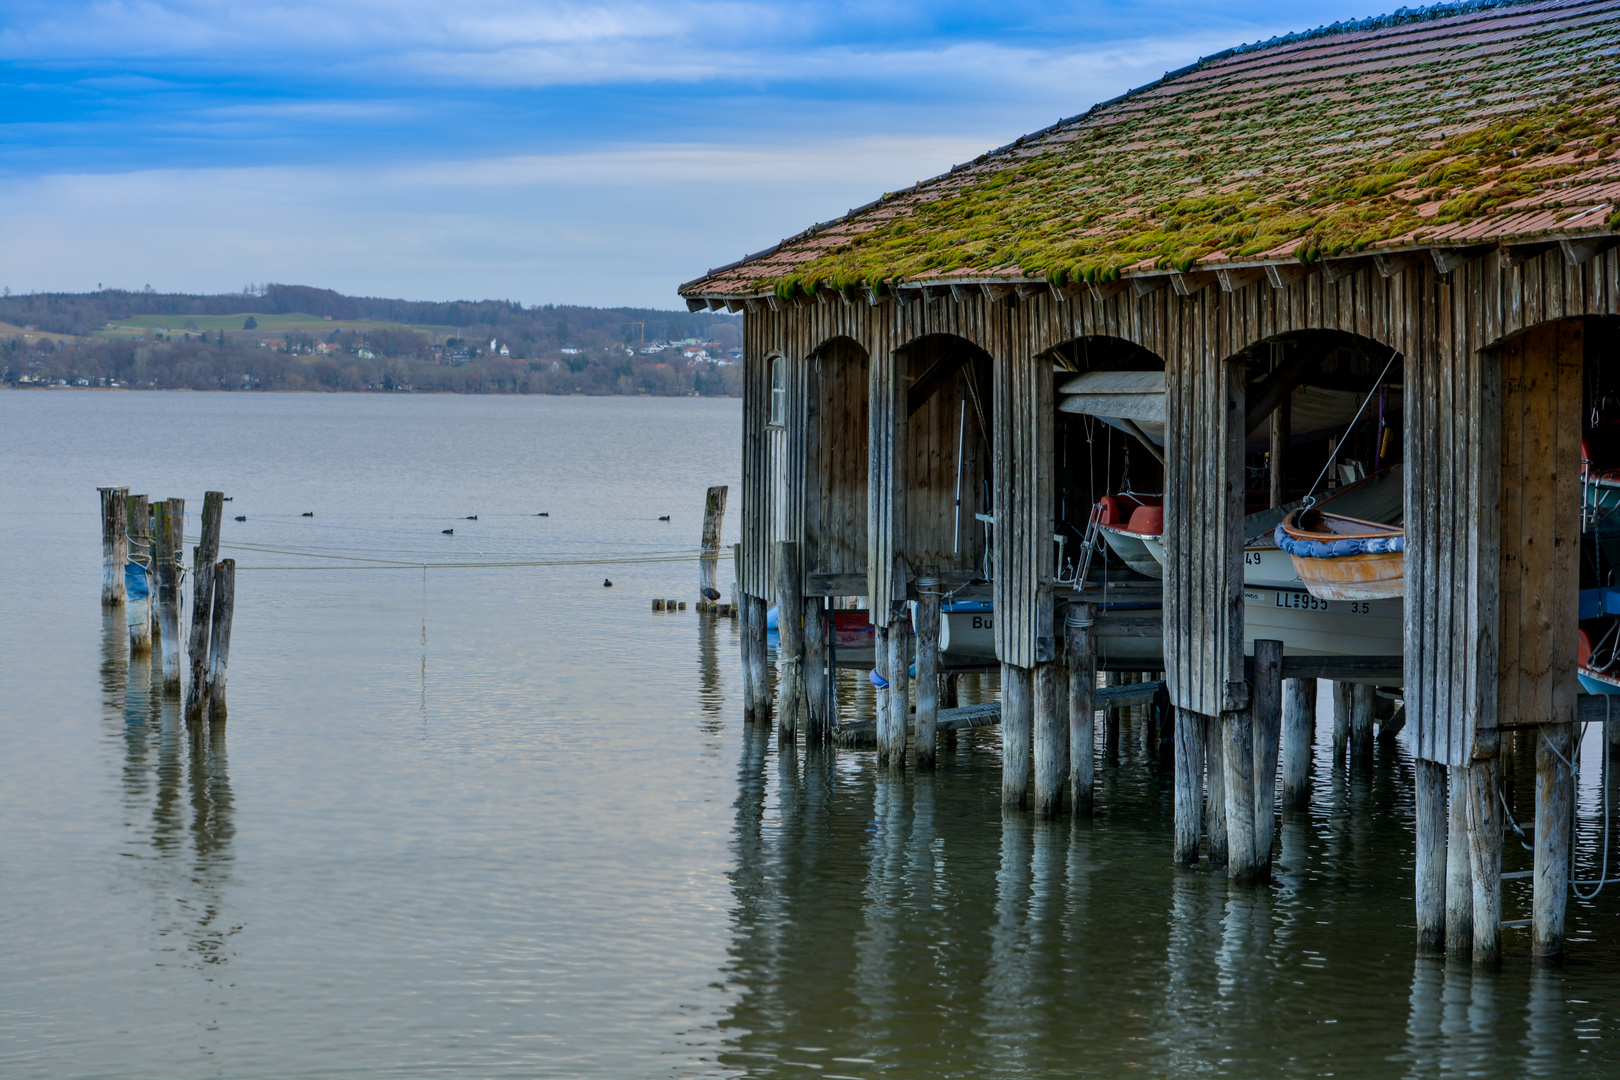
x,y
935,544
886,565
836,460
1025,555
1444,325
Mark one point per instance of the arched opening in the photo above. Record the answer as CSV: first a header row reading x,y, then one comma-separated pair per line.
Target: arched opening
x,y
835,467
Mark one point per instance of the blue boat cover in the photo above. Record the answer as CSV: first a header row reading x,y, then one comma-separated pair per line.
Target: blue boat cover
x,y
135,586
1337,549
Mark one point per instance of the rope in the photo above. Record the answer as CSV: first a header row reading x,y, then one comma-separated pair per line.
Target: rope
x,y
1309,500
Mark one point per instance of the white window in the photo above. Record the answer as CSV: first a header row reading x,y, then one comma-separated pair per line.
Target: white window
x,y
778,390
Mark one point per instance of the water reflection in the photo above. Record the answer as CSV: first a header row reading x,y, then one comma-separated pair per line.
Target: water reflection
x,y
906,925
178,804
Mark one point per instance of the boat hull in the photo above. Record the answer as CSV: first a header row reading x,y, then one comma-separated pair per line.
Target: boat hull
x,y
1132,550
1354,577
1309,625
1267,566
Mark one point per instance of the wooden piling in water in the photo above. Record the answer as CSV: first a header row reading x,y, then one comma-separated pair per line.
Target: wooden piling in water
x,y
899,694
790,689
114,544
169,529
1343,703
1298,736
1237,767
1080,651
1485,859
714,516
219,637
1555,795
757,657
817,683
1049,736
1017,718
1430,824
1362,699
138,610
1459,870
1266,707
1215,791
1189,793
202,597
881,700
928,616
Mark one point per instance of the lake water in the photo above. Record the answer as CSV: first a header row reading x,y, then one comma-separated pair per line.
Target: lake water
x,y
490,821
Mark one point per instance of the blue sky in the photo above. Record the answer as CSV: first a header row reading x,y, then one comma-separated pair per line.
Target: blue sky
x,y
542,152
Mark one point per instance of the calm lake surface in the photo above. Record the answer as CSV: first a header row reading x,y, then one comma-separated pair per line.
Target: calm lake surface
x,y
492,821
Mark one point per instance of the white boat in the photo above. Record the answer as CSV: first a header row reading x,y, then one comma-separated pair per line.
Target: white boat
x,y
967,635
1126,522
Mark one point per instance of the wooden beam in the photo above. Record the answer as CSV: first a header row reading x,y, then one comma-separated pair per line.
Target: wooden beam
x,y
906,297
751,305
930,382
873,297
1448,259
1266,394
994,293
1513,255
735,306
1146,285
1393,264
1579,251
1282,275
1238,279
962,293
695,304
1029,290
1193,283
1104,290
1339,269
773,303
1381,670
835,584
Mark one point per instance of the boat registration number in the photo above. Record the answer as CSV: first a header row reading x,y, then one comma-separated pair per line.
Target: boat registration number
x,y
1301,601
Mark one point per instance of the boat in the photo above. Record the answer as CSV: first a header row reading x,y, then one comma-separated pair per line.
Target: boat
x,y
1352,545
967,636
1125,522
854,636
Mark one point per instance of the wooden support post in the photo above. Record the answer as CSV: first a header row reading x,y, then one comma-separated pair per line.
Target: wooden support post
x,y
1081,652
1459,872
1050,737
1281,433
219,636
1215,791
883,699
899,693
1555,795
1362,698
928,601
1429,812
138,606
1298,736
746,647
1017,718
1237,766
816,677
790,694
1343,702
756,657
714,516
1266,706
114,544
170,529
1189,771
1485,859
202,597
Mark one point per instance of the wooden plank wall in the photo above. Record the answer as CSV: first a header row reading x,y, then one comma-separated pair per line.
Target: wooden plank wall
x,y
1444,325
933,433
836,460
886,564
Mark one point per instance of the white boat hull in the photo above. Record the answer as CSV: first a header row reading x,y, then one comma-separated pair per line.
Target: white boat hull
x,y
1268,567
1310,626
1132,551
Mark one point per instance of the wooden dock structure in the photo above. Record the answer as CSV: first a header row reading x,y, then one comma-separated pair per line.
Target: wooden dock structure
x,y
1317,209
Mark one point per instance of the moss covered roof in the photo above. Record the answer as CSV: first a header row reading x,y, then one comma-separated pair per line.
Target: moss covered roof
x,y
1455,125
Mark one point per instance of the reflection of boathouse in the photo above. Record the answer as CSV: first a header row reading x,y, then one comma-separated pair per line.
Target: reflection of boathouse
x,y
1422,206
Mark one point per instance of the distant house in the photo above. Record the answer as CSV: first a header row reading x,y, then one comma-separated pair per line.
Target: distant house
x,y
365,354
570,352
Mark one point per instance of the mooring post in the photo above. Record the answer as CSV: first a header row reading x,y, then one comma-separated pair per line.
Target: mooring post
x,y
1485,853
1189,772
1362,698
114,544
1429,813
1081,652
928,600
138,577
1050,736
714,516
1017,718
202,596
219,636
882,699
1237,766
170,529
1555,794
1266,705
1459,871
1298,736
817,726
1215,824
790,692
1343,702
899,697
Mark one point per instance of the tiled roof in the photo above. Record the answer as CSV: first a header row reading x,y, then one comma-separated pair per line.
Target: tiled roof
x,y
1457,125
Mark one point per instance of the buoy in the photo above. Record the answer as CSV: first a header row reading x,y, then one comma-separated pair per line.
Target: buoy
x,y
606,584
241,517
309,513
472,517
664,518
449,532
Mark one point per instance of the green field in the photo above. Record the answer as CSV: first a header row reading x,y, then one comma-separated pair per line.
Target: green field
x,y
269,325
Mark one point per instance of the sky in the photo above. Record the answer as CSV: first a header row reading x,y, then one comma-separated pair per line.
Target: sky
x,y
541,152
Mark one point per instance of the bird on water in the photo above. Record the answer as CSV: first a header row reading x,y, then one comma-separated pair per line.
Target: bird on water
x,y
664,518
449,532
710,592
606,584
542,514
241,517
472,517
309,513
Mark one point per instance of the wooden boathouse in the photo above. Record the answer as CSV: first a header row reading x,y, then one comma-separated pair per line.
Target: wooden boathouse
x,y
1423,204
